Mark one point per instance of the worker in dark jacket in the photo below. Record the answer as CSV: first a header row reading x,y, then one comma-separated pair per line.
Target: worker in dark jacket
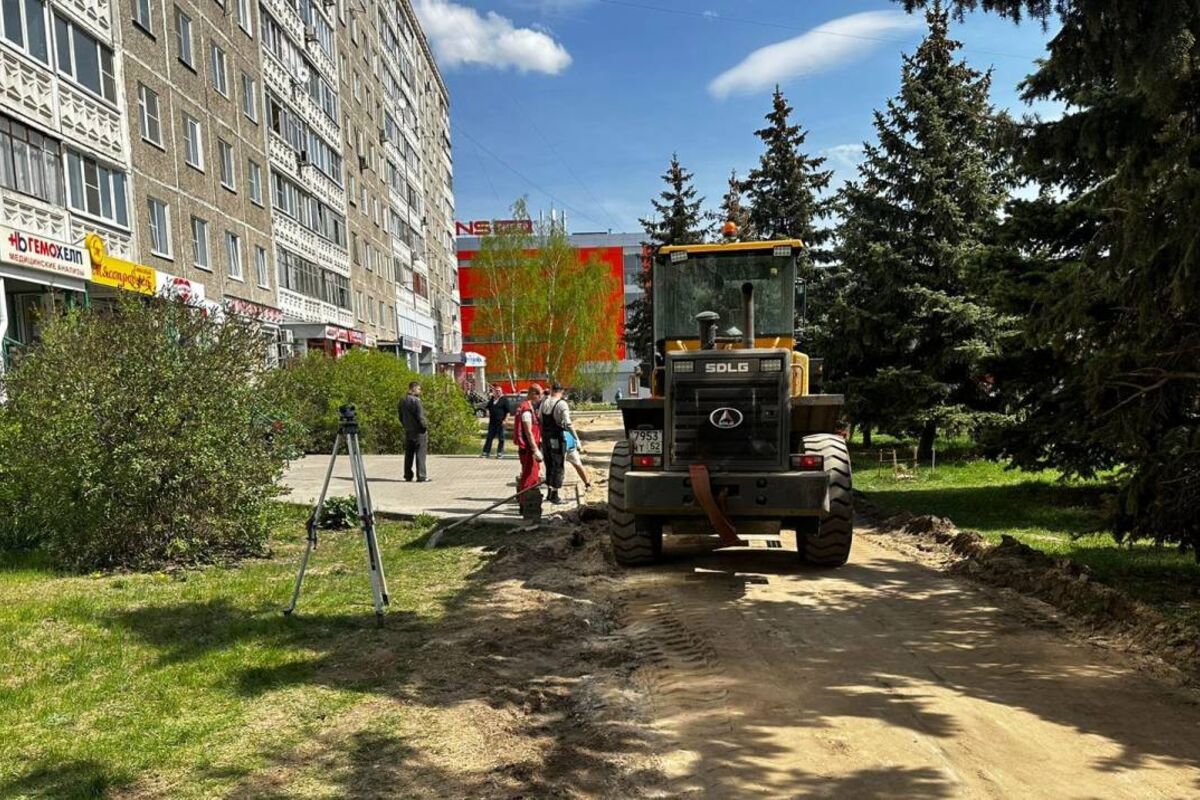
x,y
497,411
416,433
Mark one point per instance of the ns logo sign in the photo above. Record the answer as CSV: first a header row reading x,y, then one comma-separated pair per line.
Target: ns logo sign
x,y
716,367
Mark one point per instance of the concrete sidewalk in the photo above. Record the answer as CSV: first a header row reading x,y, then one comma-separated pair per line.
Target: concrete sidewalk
x,y
459,485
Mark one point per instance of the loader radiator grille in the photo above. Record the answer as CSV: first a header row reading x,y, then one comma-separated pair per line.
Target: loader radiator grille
x,y
702,426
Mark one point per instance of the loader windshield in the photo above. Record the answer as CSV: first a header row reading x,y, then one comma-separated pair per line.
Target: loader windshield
x,y
713,282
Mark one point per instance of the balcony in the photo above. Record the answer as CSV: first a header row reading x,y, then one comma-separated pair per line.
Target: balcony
x,y
91,124
296,306
34,216
97,14
27,88
116,242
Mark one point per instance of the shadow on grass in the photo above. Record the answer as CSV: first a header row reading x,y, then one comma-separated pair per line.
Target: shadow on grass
x,y
67,780
1001,509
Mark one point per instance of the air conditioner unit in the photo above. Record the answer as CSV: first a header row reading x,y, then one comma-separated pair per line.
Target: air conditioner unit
x,y
301,157
362,163
383,137
310,34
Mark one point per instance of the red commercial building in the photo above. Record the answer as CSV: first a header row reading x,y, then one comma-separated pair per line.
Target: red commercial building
x,y
620,252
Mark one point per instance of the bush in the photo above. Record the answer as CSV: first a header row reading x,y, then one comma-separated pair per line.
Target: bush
x,y
140,435
374,383
339,513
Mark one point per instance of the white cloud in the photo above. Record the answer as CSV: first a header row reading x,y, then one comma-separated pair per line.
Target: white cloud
x,y
844,156
461,35
553,6
824,47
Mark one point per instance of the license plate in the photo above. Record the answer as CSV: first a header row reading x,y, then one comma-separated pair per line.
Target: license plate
x,y
647,442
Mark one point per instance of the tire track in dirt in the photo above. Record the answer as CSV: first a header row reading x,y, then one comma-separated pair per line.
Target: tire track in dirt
x,y
887,678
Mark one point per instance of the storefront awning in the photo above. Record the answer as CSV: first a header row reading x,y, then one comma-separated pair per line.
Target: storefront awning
x,y
30,257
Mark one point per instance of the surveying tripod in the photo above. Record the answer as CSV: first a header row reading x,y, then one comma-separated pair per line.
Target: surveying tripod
x,y
348,431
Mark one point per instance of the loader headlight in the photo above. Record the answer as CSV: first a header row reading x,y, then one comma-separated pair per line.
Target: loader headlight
x,y
684,366
771,365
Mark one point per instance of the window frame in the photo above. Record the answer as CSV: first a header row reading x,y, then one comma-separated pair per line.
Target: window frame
x,y
227,172
22,9
233,255
206,265
112,183
71,71
36,158
261,267
146,24
220,80
254,181
181,17
250,98
144,115
199,144
164,230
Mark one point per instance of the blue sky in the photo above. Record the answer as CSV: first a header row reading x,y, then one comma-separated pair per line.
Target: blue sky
x,y
586,99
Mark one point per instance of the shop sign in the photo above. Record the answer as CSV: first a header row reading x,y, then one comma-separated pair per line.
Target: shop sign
x,y
372,340
124,275
357,337
46,255
245,308
486,227
474,360
410,343
174,287
109,271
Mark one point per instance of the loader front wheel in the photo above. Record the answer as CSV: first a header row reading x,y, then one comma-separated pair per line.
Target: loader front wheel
x,y
636,540
829,544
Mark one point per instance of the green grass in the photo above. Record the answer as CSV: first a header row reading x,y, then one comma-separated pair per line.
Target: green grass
x,y
197,677
1062,518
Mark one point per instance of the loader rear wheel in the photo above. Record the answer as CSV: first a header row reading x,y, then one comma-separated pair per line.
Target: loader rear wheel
x,y
636,540
829,544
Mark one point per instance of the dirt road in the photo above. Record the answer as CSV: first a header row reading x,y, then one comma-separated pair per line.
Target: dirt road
x,y
888,678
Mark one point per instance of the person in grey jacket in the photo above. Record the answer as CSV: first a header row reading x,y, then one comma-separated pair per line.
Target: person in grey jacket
x,y
416,433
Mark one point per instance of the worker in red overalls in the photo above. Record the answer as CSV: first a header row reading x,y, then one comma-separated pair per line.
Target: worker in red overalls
x,y
527,435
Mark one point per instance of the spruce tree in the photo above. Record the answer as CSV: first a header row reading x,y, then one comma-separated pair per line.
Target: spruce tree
x,y
677,220
784,189
1108,262
911,334
732,210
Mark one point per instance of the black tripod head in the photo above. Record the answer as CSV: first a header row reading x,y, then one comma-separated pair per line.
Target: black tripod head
x,y
348,420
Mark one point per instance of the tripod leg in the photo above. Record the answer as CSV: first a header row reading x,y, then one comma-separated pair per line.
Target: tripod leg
x,y
314,522
367,519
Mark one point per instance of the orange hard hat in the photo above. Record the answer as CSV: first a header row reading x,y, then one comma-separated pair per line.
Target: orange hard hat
x,y
730,228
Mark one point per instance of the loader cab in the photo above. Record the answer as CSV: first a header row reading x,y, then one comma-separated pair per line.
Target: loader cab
x,y
694,280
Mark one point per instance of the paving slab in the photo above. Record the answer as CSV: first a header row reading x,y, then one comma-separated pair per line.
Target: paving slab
x,y
458,487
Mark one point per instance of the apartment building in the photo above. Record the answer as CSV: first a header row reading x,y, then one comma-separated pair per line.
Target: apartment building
x,y
270,158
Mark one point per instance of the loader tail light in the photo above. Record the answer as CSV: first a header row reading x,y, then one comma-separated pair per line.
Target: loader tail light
x,y
647,461
808,462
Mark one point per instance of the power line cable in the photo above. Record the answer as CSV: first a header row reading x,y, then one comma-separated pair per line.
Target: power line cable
x,y
711,16
524,177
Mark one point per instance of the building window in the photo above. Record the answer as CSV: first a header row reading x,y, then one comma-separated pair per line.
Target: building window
x,y
151,124
183,39
200,243
220,77
260,266
354,246
84,60
249,98
382,318
24,24
233,255
160,227
193,142
254,178
228,177
142,15
358,298
371,310
30,163
96,189
243,16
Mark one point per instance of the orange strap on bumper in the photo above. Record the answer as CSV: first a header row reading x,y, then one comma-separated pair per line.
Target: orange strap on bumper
x,y
703,491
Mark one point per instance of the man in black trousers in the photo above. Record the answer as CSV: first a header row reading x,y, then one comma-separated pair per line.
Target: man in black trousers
x,y
416,433
497,411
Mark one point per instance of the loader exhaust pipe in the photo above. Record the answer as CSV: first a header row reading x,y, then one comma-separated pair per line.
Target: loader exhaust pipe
x,y
748,314
708,329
